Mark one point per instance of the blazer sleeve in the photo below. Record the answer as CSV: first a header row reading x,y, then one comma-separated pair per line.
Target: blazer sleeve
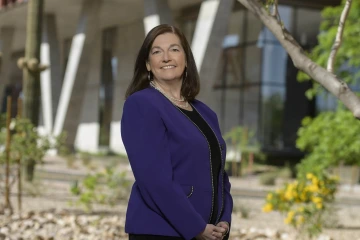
x,y
145,140
228,204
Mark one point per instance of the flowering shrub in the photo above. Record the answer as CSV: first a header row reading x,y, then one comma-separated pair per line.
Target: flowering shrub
x,y
304,202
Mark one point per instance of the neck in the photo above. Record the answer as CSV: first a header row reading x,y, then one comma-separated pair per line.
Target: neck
x,y
171,88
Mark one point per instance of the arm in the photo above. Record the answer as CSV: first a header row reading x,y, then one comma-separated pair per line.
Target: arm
x,y
144,136
228,204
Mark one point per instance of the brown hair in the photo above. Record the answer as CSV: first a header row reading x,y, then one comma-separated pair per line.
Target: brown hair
x,y
191,85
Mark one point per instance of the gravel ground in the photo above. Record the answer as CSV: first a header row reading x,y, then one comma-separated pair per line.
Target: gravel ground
x,y
55,195
256,221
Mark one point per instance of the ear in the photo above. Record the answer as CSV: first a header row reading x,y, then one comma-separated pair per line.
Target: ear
x,y
148,66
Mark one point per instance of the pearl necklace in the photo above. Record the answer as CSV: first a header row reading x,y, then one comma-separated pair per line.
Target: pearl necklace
x,y
173,100
155,85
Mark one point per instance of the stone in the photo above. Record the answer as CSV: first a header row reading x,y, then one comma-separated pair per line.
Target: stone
x,y
324,237
5,230
284,236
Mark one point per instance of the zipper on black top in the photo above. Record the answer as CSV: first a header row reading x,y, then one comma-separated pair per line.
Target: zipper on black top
x,y
221,169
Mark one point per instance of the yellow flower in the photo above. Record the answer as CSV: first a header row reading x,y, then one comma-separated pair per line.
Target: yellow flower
x,y
303,196
290,193
300,220
315,181
318,202
269,196
289,217
319,205
312,188
316,199
309,175
268,207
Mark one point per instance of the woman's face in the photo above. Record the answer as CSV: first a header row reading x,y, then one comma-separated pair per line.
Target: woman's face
x,y
166,58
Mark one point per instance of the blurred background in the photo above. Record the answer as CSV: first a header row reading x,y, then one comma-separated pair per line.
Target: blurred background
x,y
69,178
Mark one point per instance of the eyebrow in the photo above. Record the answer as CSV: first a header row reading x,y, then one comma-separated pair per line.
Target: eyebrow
x,y
172,45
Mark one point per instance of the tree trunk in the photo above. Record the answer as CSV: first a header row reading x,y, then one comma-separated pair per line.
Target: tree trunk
x,y
29,165
31,79
7,155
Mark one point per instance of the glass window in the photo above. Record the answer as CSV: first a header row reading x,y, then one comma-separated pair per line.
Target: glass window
x,y
232,109
250,108
274,64
307,26
253,64
254,28
272,116
326,102
236,25
234,66
108,73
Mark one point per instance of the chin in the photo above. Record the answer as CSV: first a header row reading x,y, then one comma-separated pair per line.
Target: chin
x,y
172,78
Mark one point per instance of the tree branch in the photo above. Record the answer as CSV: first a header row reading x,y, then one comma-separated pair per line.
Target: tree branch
x,y
333,84
339,36
275,10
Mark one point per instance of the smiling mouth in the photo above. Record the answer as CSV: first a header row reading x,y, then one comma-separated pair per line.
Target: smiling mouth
x,y
168,67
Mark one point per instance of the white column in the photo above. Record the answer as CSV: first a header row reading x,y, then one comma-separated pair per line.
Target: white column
x,y
87,135
211,28
203,29
129,39
6,43
72,93
50,78
156,12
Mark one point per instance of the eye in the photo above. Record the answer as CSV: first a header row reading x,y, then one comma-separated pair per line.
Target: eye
x,y
175,50
155,52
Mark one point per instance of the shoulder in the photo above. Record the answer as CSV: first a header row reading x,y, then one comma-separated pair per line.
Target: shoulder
x,y
146,96
142,95
145,100
199,104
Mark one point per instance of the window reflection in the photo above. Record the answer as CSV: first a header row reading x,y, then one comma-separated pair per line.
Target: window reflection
x,y
256,84
272,116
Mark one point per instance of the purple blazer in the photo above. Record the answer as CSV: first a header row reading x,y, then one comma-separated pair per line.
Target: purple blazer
x,y
170,159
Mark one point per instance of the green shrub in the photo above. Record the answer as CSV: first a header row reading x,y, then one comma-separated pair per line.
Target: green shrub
x,y
329,139
105,187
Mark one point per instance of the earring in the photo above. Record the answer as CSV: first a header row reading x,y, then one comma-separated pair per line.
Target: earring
x,y
149,77
185,74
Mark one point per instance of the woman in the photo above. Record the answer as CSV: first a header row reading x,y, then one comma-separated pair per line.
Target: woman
x,y
174,146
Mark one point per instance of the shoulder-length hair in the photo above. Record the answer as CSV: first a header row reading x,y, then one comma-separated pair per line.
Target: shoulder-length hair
x,y
191,85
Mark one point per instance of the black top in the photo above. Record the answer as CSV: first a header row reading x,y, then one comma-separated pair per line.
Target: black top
x,y
196,118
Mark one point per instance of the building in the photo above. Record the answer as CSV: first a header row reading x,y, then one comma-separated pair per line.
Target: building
x,y
91,45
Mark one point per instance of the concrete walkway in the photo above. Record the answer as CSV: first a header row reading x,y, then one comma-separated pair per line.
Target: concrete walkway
x,y
55,168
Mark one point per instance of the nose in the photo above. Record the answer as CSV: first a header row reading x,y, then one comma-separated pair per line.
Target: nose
x,y
166,58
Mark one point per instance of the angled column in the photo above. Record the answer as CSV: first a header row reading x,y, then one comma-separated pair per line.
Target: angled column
x,y
129,38
77,71
87,134
6,40
211,28
156,12
50,78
